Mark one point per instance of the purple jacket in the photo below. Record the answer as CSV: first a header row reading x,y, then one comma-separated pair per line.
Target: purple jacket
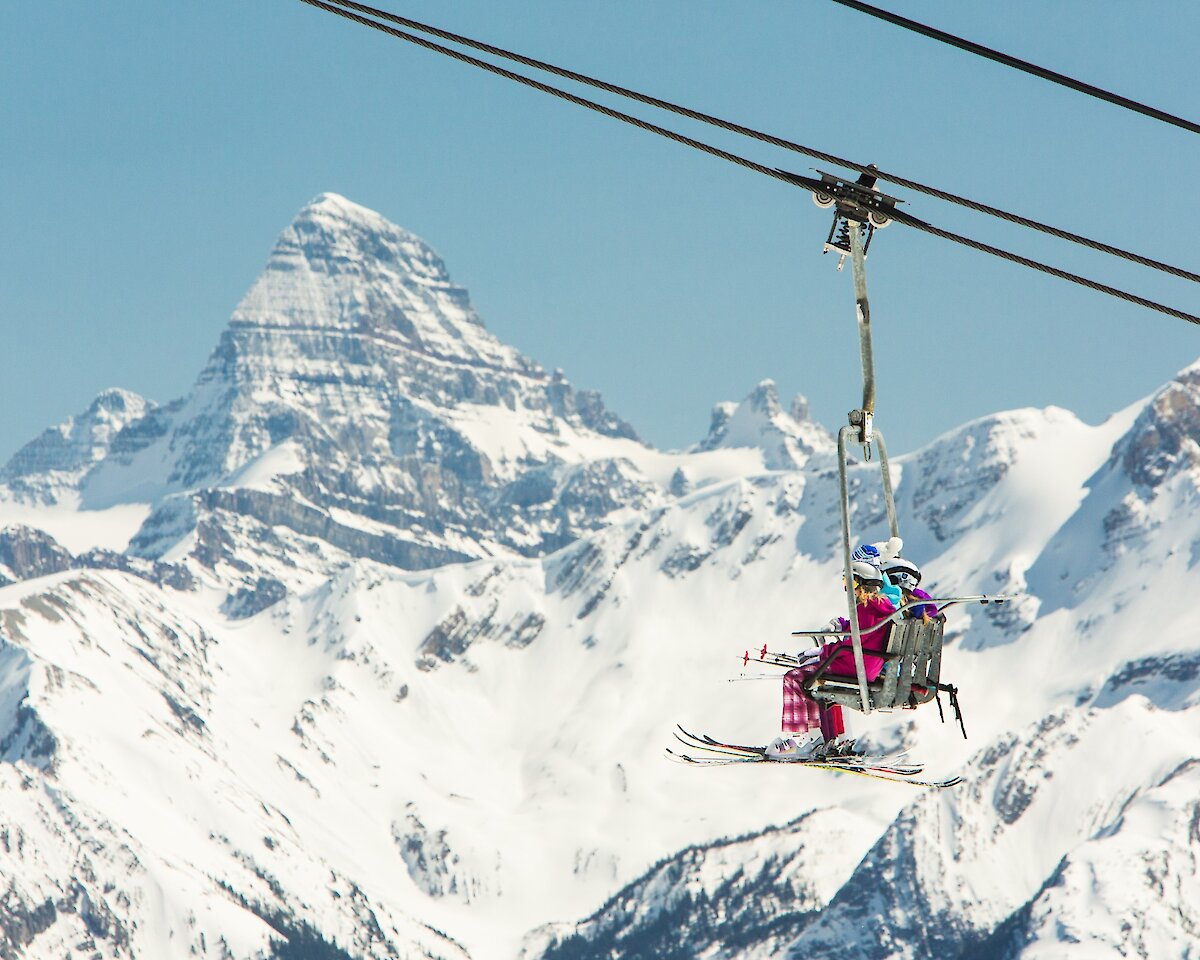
x,y
869,613
917,612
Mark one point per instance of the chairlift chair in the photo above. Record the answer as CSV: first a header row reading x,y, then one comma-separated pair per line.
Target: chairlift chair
x,y
912,674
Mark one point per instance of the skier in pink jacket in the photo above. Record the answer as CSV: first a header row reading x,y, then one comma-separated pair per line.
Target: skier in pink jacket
x,y
800,712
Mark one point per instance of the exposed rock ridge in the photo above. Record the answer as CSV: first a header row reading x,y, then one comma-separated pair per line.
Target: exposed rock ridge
x,y
53,464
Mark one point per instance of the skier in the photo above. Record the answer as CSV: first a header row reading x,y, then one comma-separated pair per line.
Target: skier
x,y
906,575
802,713
880,555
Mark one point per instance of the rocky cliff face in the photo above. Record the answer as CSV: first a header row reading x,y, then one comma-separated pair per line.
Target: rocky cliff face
x,y
1163,442
27,553
1139,514
355,398
52,466
788,439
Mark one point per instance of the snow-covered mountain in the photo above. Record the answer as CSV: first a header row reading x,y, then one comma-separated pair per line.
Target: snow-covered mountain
x,y
369,645
356,407
51,467
788,440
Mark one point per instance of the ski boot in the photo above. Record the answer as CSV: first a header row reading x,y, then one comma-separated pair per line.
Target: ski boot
x,y
840,749
785,748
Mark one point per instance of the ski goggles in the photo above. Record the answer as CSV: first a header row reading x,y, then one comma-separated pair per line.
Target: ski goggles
x,y
903,578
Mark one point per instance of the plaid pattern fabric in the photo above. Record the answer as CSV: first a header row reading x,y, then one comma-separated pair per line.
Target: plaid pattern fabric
x,y
801,713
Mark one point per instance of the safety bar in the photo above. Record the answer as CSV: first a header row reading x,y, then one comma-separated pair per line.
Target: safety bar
x,y
941,602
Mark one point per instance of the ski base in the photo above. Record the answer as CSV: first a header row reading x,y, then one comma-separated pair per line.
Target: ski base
x,y
719,753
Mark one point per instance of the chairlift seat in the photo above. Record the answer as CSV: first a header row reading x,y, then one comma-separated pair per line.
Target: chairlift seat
x,y
909,677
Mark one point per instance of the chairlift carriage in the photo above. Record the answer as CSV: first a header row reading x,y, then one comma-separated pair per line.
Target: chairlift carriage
x,y
913,651
912,648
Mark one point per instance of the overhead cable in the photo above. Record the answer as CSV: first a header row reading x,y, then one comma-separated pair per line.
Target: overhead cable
x,y
1023,65
768,138
748,164
901,217
554,91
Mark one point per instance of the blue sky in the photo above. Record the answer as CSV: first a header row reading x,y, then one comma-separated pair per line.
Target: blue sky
x,y
152,152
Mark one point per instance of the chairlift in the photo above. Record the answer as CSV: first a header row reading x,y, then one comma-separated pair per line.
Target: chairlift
x,y
913,655
912,672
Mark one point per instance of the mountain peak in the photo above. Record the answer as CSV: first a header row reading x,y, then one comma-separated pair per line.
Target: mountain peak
x,y
1166,437
335,205
356,397
334,227
48,467
787,440
341,265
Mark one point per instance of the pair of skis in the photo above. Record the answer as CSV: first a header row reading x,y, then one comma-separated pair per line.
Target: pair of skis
x,y
718,753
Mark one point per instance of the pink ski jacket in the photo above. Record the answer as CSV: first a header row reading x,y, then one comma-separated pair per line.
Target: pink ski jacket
x,y
869,613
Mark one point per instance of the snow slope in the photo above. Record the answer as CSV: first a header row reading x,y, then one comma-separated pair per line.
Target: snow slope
x,y
1074,834
390,663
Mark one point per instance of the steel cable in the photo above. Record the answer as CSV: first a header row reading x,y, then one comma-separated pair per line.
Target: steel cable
x,y
771,139
556,92
744,162
1024,66
1043,267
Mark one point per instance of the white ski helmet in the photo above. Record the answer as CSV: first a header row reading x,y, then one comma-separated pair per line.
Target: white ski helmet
x,y
903,572
866,573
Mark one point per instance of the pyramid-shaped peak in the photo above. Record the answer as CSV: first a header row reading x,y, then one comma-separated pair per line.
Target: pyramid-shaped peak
x,y
332,235
341,265
354,356
335,218
335,205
